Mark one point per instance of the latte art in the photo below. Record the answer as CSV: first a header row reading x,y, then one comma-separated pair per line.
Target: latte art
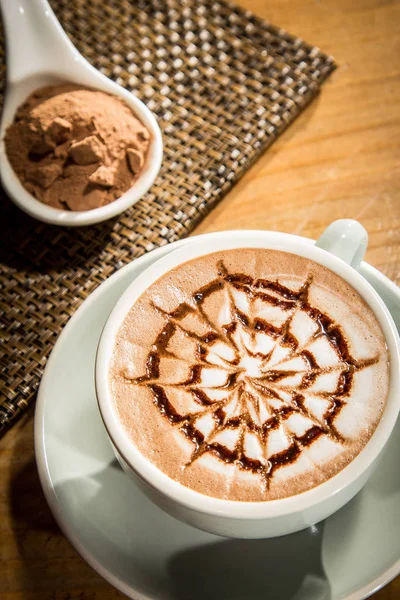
x,y
248,387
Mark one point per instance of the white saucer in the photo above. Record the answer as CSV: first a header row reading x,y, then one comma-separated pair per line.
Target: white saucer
x,y
149,555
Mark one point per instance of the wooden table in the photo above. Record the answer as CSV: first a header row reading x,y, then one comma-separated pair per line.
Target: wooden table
x,y
341,158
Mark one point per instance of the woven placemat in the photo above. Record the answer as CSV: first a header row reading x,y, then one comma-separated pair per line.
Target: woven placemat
x,y
223,84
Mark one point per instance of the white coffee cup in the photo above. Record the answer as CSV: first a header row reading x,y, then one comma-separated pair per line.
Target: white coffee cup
x,y
341,249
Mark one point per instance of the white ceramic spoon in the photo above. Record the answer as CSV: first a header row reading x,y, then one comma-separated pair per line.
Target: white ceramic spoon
x,y
39,53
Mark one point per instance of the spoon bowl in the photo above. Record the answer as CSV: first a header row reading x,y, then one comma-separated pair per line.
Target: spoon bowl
x,y
46,56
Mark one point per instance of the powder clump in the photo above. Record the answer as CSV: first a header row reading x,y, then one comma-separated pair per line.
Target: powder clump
x,y
75,148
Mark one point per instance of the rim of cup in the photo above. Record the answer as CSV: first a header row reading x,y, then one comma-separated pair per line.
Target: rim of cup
x,y
234,509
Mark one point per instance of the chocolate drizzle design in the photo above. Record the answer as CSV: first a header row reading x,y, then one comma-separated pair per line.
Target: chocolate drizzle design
x,y
266,384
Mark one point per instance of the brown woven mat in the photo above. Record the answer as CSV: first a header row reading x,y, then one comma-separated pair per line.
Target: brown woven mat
x,y
223,84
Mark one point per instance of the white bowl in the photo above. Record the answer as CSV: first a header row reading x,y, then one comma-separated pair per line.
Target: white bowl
x,y
40,54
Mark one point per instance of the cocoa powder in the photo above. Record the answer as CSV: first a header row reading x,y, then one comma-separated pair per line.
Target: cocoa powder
x,y
75,148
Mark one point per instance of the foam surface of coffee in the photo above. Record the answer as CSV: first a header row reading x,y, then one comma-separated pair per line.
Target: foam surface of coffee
x,y
250,374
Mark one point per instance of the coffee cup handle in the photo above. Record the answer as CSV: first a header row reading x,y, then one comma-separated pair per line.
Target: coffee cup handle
x,y
347,239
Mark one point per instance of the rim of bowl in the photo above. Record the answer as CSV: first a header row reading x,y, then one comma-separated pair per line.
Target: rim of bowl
x,y
232,509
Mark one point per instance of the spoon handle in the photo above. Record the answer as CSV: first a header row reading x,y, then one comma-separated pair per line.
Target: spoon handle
x,y
35,41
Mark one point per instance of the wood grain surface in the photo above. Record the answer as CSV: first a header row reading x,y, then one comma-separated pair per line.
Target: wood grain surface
x,y
341,158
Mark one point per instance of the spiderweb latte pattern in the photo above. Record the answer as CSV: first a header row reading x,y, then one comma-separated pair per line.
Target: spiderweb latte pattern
x,y
251,376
